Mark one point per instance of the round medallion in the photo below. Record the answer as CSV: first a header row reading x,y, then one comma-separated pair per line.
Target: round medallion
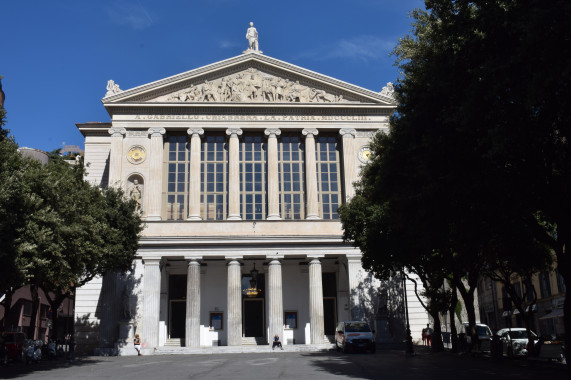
x,y
365,154
136,154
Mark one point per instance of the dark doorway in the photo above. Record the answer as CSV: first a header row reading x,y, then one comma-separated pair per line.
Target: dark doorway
x,y
329,315
177,321
253,318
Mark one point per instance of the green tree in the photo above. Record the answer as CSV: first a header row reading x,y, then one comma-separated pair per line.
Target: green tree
x,y
74,231
476,154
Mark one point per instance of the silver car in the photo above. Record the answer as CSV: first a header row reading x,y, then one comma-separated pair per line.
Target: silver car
x,y
514,341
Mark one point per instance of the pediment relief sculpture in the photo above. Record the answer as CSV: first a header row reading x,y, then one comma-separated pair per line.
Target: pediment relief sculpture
x,y
252,86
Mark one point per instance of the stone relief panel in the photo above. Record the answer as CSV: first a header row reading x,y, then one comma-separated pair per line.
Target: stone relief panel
x,y
252,86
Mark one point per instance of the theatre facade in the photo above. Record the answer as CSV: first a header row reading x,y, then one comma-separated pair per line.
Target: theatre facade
x,y
239,168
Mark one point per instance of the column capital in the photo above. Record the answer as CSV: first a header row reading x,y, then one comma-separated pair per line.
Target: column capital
x,y
272,132
156,131
348,132
354,257
192,258
276,256
117,132
234,132
152,260
310,132
233,257
195,131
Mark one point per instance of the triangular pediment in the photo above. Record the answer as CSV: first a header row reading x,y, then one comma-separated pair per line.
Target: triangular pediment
x,y
249,78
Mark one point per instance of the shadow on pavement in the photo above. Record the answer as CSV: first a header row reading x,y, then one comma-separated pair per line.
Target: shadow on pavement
x,y
14,370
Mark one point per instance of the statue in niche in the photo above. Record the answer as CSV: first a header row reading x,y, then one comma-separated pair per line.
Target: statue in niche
x,y
136,194
252,37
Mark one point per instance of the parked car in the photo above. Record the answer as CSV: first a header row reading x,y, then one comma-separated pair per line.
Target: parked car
x,y
13,345
353,336
514,341
484,335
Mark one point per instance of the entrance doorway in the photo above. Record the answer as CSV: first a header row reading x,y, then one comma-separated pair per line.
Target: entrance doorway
x,y
329,315
253,318
177,323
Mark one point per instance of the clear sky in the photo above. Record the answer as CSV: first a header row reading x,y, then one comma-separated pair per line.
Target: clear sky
x,y
56,56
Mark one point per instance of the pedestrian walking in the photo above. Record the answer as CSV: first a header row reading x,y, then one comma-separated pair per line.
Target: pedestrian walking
x,y
428,333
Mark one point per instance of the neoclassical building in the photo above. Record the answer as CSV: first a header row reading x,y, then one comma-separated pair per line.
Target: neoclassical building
x,y
239,168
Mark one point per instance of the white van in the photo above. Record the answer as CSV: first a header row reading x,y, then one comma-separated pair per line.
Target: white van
x,y
353,336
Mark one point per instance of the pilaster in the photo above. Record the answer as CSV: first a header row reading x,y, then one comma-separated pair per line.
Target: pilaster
x,y
116,155
234,292
194,184
275,299
349,155
316,319
193,302
273,174
311,174
151,302
234,174
155,183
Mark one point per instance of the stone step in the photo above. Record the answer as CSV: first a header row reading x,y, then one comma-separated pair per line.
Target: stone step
x,y
254,341
329,339
174,342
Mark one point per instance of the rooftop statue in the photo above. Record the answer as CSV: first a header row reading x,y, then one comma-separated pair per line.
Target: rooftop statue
x,y
252,37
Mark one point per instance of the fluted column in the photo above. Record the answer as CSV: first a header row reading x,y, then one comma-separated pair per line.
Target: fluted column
x,y
349,155
155,182
194,184
273,174
193,303
234,174
275,299
234,302
353,269
316,301
116,155
312,211
151,302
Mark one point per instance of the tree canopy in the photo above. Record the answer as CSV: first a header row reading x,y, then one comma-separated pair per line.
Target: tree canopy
x,y
474,171
57,230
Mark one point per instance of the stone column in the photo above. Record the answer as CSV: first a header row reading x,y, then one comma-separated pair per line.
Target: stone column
x,y
312,211
193,302
234,174
116,155
349,156
234,302
273,174
316,321
275,299
154,186
194,184
353,270
151,302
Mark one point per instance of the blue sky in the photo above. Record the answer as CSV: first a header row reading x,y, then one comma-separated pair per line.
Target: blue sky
x,y
57,56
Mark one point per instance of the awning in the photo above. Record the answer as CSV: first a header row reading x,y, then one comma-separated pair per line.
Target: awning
x,y
554,314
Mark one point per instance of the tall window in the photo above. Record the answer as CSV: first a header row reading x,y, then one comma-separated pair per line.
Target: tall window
x,y
177,177
328,180
544,285
214,178
560,281
291,159
253,159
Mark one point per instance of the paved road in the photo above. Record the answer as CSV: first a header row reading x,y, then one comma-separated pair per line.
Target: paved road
x,y
385,364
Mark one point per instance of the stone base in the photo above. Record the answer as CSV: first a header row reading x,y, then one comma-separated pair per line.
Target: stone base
x,y
125,349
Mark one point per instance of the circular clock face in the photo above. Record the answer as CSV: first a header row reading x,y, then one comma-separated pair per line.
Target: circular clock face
x,y
365,154
136,154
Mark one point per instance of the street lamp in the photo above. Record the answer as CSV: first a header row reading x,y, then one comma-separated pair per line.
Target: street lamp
x,y
408,338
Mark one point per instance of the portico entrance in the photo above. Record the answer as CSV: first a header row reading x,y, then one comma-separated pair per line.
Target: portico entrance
x,y
253,318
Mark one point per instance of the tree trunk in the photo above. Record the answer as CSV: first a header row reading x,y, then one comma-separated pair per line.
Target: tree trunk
x,y
34,316
55,303
437,345
468,297
452,312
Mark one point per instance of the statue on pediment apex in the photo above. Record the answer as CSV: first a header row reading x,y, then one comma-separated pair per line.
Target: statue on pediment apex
x,y
388,90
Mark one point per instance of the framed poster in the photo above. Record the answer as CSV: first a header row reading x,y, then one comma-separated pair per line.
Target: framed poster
x,y
216,321
290,318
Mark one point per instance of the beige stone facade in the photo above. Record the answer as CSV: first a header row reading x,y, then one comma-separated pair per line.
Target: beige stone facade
x,y
238,164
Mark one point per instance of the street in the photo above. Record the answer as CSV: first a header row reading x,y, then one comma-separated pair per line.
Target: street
x,y
385,364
